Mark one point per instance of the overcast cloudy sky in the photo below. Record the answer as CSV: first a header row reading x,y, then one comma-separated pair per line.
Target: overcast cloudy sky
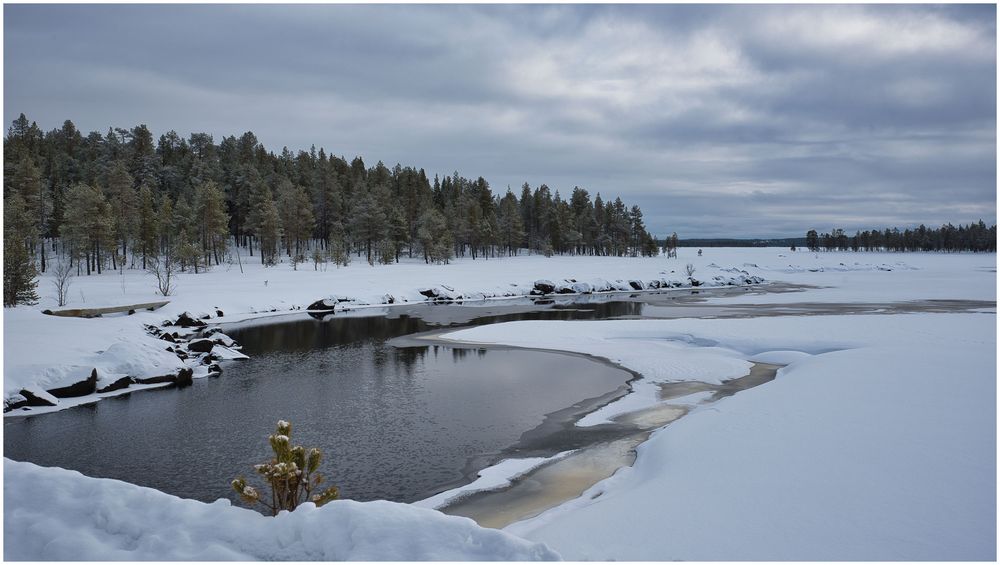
x,y
750,121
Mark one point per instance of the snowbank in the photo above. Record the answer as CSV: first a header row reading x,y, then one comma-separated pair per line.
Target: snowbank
x,y
60,515
876,442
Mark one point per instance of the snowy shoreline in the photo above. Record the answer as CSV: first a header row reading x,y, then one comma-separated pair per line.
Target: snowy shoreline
x,y
35,396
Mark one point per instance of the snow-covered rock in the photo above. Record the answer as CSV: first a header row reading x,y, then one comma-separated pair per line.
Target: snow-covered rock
x,y
543,286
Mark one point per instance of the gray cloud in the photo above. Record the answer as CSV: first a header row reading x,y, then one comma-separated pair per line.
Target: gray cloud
x,y
718,120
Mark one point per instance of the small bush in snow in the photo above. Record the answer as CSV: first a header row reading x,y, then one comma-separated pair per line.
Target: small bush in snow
x,y
291,475
339,254
318,259
690,269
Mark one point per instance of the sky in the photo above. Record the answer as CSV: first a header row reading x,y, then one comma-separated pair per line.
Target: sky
x,y
718,120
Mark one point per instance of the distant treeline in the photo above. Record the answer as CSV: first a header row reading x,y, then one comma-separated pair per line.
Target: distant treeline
x,y
124,200
723,242
973,237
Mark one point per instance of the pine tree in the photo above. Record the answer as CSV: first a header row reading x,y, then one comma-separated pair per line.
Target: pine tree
x,y
88,225
211,219
147,226
264,222
435,239
269,231
368,223
28,184
511,226
812,240
122,198
637,230
19,270
185,228
295,208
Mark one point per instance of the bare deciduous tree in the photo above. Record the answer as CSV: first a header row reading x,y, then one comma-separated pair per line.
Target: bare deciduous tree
x,y
63,272
163,268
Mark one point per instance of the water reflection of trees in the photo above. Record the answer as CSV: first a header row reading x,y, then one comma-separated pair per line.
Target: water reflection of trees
x,y
408,358
310,335
304,335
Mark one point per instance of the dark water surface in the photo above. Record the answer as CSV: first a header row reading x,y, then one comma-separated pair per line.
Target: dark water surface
x,y
394,423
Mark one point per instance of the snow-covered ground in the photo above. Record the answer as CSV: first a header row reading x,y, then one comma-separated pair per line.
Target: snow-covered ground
x,y
59,515
877,441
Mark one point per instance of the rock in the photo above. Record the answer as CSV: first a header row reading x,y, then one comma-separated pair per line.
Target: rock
x,y
185,377
214,369
565,289
29,400
14,402
653,284
223,339
131,311
154,380
168,337
186,320
603,286
211,331
544,286
319,315
695,282
324,305
440,293
209,359
582,287
201,345
181,354
119,384
82,388
621,285
388,299
218,313
635,284
47,311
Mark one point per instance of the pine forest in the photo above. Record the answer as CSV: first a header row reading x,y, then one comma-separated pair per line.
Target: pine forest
x,y
125,200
